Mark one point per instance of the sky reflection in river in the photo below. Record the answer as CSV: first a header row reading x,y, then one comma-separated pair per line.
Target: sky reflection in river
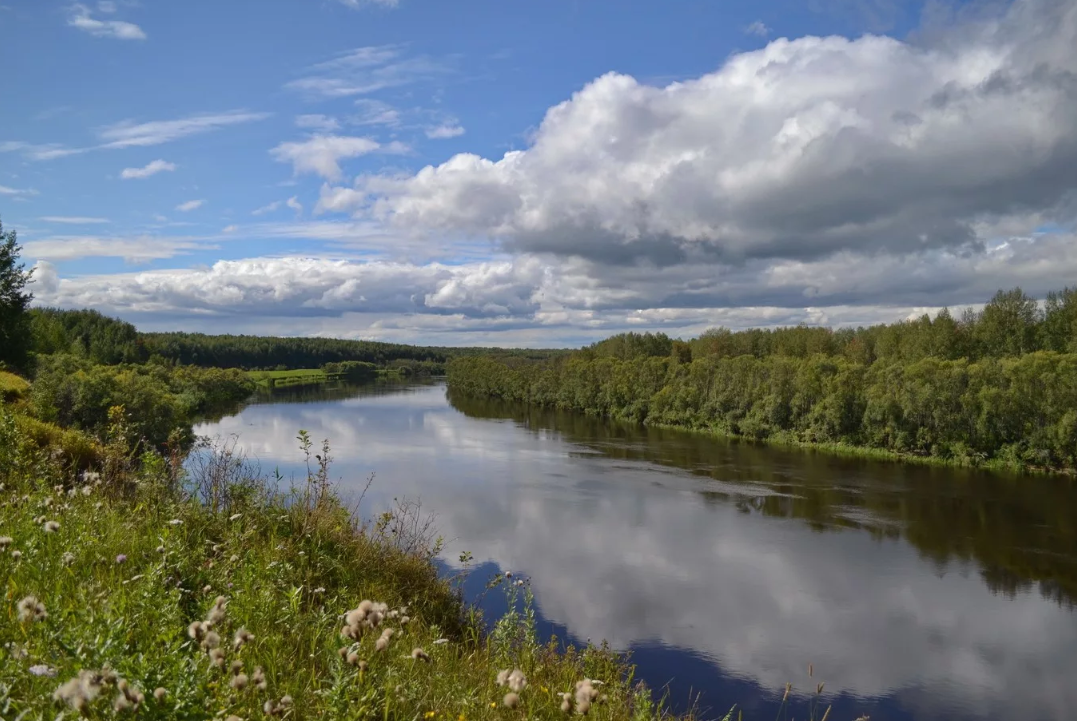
x,y
703,565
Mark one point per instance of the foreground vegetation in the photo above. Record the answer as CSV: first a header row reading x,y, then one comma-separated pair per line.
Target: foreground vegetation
x,y
892,391
137,589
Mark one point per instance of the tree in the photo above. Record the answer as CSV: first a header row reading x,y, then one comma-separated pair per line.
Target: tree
x,y
14,301
1007,325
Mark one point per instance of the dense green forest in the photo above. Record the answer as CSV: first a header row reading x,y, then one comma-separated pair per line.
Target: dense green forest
x,y
997,386
101,339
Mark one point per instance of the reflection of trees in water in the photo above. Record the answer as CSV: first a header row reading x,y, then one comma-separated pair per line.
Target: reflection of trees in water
x,y
1019,531
334,391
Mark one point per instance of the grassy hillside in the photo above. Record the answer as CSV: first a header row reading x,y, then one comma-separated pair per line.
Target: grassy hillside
x,y
139,590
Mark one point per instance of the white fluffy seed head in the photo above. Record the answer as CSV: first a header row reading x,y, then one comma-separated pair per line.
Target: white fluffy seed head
x,y
516,680
511,700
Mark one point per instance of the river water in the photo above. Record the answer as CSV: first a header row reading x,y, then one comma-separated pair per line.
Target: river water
x,y
725,568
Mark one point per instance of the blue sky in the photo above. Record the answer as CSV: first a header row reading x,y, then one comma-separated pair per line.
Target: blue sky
x,y
535,173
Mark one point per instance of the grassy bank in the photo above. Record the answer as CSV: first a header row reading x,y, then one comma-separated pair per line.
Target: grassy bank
x,y
309,377
139,588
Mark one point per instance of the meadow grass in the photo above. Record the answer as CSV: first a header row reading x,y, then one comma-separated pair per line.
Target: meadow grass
x,y
12,387
140,591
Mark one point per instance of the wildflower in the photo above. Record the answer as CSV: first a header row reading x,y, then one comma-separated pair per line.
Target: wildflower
x,y
121,558
81,690
197,630
41,669
243,637
51,526
211,640
430,714
319,589
207,588
258,678
67,559
128,698
586,693
441,641
362,666
5,541
159,694
420,655
519,582
216,614
216,657
566,703
86,490
383,641
511,700
232,717
517,681
503,677
405,620
237,666
239,681
233,558
16,555
160,549
351,657
30,609
508,574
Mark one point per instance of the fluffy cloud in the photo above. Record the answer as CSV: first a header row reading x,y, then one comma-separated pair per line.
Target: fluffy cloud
x,y
799,150
152,168
80,18
190,205
578,297
321,154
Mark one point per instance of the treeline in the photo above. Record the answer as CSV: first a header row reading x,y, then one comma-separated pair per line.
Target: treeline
x,y
902,388
73,392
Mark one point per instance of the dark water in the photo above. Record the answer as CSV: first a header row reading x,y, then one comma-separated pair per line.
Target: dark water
x,y
727,568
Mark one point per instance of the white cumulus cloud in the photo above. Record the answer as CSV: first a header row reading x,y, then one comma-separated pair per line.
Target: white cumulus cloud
x,y
322,154
801,149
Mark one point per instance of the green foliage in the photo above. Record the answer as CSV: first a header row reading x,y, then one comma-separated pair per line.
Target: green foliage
x,y
85,334
14,301
74,393
126,568
12,387
1016,411
351,370
268,353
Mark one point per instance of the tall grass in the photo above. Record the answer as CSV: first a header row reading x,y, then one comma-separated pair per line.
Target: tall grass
x,y
213,593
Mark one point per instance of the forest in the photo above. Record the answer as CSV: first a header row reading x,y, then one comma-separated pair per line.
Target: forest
x,y
993,387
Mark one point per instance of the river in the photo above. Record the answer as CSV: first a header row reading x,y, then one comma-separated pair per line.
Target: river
x,y
725,568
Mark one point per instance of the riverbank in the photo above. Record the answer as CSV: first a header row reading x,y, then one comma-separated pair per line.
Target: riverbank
x,y
312,377
214,595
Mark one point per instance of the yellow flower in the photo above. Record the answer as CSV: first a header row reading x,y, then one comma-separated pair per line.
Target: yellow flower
x,y
544,689
493,704
430,714
461,718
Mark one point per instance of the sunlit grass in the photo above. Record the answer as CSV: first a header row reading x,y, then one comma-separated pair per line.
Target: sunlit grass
x,y
126,595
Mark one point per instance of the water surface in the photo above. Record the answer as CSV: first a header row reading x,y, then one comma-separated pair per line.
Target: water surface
x,y
726,568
